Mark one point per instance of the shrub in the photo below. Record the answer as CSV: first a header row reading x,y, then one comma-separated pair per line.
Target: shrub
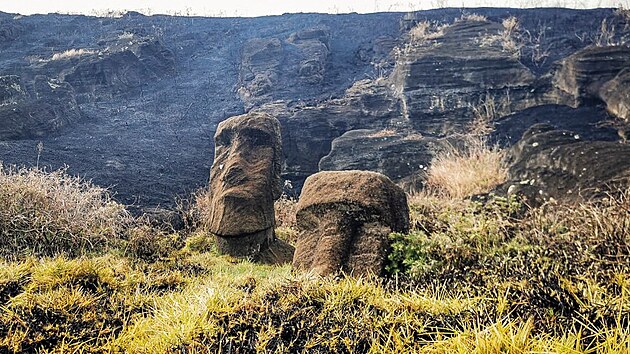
x,y
150,244
72,53
54,213
474,168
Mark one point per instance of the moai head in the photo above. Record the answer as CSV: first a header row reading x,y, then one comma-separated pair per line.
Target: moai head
x,y
344,219
244,182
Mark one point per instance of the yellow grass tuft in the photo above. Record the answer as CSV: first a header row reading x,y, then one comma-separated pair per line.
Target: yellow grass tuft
x,y
475,168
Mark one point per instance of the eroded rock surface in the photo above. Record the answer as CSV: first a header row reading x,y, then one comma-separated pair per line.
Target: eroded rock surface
x,y
344,219
616,94
49,106
583,74
444,75
271,67
403,157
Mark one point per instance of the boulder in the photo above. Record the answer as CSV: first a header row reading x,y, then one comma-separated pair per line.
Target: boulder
x,y
400,156
616,94
583,73
344,219
244,182
560,164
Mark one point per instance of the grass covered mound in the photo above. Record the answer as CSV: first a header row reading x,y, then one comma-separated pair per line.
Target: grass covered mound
x,y
471,277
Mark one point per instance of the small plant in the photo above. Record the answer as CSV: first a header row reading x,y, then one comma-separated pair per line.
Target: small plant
x,y
286,225
487,111
606,35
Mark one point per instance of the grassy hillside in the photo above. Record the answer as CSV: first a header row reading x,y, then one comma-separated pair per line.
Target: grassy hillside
x,y
81,275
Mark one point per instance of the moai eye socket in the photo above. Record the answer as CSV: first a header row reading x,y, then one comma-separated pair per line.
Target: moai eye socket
x,y
256,137
223,139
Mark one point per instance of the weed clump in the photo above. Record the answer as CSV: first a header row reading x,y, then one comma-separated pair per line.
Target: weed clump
x,y
54,213
475,168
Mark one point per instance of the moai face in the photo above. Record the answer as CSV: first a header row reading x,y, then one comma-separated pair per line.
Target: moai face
x,y
245,181
344,219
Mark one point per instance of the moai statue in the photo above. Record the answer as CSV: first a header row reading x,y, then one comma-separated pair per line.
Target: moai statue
x,y
344,219
244,183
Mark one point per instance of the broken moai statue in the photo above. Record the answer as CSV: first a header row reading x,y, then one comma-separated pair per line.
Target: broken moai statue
x,y
344,219
244,182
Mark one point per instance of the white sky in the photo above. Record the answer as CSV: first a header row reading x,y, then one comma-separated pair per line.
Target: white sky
x,y
274,7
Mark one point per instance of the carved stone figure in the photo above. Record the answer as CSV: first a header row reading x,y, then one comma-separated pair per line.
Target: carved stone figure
x,y
244,182
344,219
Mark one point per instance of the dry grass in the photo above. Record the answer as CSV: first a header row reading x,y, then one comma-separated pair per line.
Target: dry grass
x,y
424,31
487,111
474,168
286,224
471,277
72,53
54,213
385,133
471,17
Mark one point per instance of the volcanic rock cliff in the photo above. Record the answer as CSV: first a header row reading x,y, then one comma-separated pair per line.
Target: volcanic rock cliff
x,y
133,102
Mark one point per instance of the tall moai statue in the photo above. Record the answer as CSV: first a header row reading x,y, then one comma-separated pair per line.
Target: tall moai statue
x,y
244,183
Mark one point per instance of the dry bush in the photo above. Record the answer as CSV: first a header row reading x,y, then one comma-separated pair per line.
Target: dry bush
x,y
72,53
54,213
487,111
606,35
151,244
285,208
203,206
286,224
474,168
472,17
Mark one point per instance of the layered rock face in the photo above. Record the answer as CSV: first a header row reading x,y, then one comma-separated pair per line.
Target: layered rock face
x,y
120,64
442,75
308,131
344,219
244,182
616,94
152,89
398,155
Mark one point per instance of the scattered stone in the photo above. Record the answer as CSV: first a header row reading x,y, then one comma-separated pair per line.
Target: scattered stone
x,y
344,219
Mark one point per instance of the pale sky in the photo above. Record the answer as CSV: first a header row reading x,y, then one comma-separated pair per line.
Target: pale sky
x,y
274,7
